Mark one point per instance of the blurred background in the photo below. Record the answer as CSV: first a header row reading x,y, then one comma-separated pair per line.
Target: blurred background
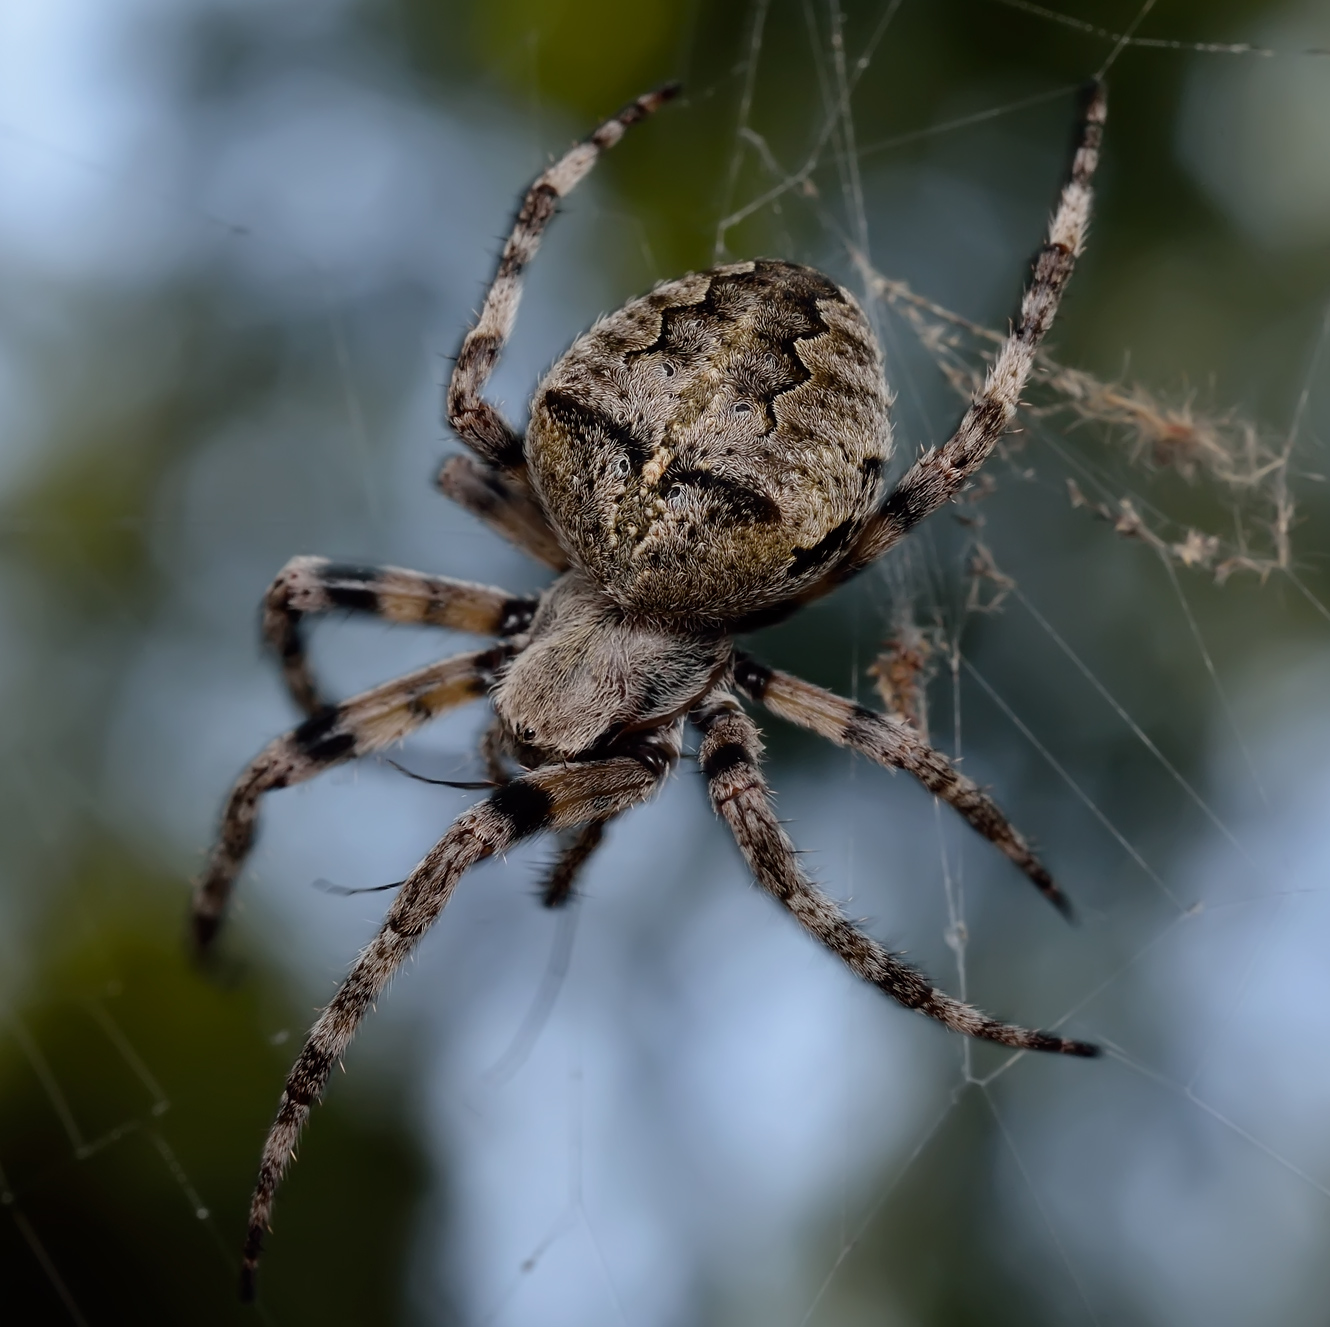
x,y
238,242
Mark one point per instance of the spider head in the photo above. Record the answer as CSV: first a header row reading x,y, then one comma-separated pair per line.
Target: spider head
x,y
711,449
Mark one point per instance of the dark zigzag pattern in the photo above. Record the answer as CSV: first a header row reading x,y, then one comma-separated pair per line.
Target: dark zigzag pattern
x,y
783,287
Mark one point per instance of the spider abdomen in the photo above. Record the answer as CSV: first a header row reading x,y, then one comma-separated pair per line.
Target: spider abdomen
x,y
706,451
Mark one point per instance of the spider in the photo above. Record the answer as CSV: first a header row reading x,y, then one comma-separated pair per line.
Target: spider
x,y
701,463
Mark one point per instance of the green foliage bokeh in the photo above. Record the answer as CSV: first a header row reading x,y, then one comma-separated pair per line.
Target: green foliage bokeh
x,y
138,383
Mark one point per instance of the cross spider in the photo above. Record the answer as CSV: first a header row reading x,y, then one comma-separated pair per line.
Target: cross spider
x,y
701,463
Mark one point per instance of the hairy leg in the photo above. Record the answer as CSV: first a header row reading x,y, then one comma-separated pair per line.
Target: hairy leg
x,y
316,585
575,851
473,418
892,741
494,752
506,508
576,846
553,797
729,755
368,722
938,475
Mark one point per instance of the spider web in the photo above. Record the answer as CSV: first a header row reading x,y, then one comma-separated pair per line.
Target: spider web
x,y
739,1132
1218,447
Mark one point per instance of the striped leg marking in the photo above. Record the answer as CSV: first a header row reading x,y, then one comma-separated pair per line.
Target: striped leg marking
x,y
940,473
730,752
551,798
473,419
368,722
506,509
316,585
891,741
576,846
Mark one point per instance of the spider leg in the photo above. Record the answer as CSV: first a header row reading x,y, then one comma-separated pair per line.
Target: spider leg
x,y
575,845
892,741
576,849
494,752
729,755
552,797
940,473
475,420
317,585
507,509
367,722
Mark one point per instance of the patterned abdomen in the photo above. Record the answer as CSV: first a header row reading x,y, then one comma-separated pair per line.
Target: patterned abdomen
x,y
708,450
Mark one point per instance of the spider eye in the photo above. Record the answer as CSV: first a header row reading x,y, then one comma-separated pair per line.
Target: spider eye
x,y
667,370
676,495
528,734
622,466
742,408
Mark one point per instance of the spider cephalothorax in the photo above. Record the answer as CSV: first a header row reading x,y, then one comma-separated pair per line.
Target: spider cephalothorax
x,y
590,673
704,460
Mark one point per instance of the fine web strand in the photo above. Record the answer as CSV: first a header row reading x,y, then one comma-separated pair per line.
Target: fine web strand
x,y
852,182
1044,1217
355,414
1221,694
883,1195
39,1252
1294,432
83,1150
757,24
1089,802
969,121
42,1070
570,1217
1101,988
279,246
852,234
537,1016
1136,730
1253,957
835,145
1182,1090
1122,40
576,1166
958,934
1302,588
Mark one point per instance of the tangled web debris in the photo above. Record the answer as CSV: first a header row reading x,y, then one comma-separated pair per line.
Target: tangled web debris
x,y
1249,468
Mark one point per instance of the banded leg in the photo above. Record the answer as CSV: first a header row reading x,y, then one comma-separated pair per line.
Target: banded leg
x,y
938,475
576,846
508,510
316,585
553,797
473,419
892,741
730,752
368,722
575,851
